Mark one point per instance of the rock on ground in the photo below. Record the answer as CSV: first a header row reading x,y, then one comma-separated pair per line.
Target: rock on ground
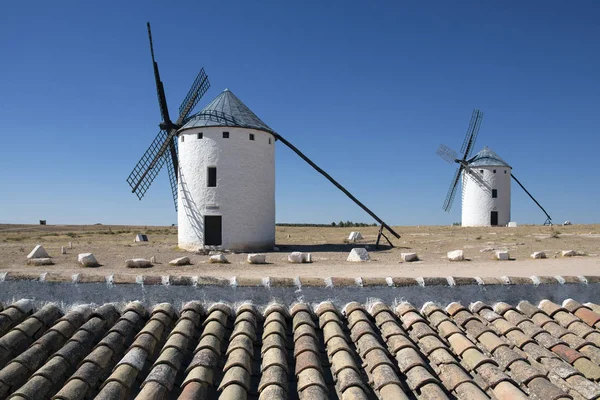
x,y
38,252
138,263
456,255
358,255
569,253
298,257
218,259
538,254
257,258
354,236
512,224
39,261
180,261
502,255
408,257
87,260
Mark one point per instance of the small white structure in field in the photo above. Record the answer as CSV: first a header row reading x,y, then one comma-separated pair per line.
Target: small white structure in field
x,y
298,257
502,255
456,255
140,238
87,260
38,252
486,190
538,255
257,258
408,257
180,261
354,236
226,179
512,224
358,255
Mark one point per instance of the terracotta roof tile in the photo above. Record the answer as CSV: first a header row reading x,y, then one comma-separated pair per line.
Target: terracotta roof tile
x,y
194,351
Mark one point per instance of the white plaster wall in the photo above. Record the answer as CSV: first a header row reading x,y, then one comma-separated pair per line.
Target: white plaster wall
x,y
477,202
245,191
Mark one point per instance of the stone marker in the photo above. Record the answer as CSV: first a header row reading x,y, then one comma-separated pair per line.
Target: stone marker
x,y
358,254
39,261
512,224
140,238
153,260
569,253
63,250
298,257
408,257
38,252
257,258
456,255
354,236
87,260
538,254
218,259
138,263
502,255
180,261
70,245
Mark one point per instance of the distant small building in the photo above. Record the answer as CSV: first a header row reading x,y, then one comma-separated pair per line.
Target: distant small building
x,y
486,190
42,222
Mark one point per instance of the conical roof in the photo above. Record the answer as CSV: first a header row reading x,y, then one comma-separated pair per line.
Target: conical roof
x,y
487,157
227,110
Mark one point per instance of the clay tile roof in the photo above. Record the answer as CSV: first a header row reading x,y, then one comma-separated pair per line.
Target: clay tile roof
x,y
324,350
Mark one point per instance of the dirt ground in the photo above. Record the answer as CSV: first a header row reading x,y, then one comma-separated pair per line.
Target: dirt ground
x,y
112,245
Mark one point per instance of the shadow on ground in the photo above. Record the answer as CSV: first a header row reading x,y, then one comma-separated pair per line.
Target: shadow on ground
x,y
330,247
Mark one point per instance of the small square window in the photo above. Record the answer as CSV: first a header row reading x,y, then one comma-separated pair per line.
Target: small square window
x,y
494,193
182,139
504,171
225,135
494,171
200,136
252,136
481,171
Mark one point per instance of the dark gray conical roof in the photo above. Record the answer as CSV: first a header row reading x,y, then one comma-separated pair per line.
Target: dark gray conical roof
x,y
227,110
487,157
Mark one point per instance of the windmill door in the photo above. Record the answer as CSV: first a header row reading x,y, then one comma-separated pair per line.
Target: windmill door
x,y
212,230
494,218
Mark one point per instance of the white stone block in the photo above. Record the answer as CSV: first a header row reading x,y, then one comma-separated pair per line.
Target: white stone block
x,y
308,257
456,255
140,238
70,245
354,236
512,224
153,260
296,257
408,257
138,263
358,255
569,253
256,258
502,255
218,259
39,261
538,254
87,260
63,250
180,261
38,252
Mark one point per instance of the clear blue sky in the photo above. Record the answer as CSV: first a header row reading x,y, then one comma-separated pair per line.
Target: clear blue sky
x,y
367,91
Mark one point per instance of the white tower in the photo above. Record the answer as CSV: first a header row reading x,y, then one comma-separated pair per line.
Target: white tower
x,y
226,179
486,190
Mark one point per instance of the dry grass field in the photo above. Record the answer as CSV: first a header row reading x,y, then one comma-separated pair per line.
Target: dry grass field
x,y
112,245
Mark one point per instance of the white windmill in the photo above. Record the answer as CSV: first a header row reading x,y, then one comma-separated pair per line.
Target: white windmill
x,y
221,164
485,182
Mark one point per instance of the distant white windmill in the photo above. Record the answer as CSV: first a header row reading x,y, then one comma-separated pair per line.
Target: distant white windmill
x,y
485,182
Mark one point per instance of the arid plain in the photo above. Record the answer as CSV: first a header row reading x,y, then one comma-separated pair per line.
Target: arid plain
x,y
113,244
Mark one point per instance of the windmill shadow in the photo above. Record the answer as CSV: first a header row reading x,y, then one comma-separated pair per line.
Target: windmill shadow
x,y
191,209
330,247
